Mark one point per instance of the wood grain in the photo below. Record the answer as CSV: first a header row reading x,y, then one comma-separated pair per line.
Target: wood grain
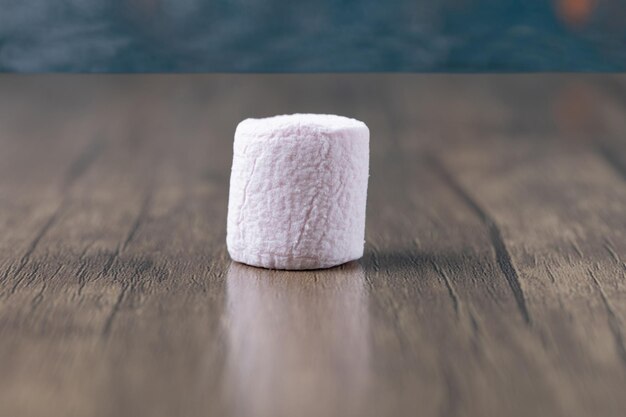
x,y
494,279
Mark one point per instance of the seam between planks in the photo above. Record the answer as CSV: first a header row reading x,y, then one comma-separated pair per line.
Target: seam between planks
x,y
503,258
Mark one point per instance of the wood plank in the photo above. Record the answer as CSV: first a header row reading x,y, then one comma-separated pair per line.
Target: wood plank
x,y
559,208
493,280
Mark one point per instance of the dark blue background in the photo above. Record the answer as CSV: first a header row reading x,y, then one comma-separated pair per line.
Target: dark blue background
x,y
313,35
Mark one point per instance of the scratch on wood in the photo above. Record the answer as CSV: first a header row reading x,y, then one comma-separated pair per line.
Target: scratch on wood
x,y
138,220
576,248
613,320
82,270
451,291
82,274
609,247
37,299
108,324
375,259
503,258
550,275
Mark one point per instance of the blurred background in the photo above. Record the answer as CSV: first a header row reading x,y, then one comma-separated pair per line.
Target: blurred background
x,y
312,36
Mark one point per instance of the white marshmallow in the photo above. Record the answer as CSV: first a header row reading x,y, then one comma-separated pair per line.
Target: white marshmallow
x,y
297,191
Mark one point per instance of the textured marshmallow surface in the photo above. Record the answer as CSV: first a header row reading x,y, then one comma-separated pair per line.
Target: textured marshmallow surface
x,y
297,191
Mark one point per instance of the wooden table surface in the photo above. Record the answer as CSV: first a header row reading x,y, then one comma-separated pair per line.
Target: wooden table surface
x,y
493,283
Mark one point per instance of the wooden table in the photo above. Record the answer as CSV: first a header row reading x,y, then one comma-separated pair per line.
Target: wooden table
x,y
493,284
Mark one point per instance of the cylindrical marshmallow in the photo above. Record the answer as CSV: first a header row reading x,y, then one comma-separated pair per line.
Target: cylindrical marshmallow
x,y
297,191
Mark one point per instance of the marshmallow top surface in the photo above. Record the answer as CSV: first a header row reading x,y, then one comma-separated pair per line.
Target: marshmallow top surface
x,y
297,123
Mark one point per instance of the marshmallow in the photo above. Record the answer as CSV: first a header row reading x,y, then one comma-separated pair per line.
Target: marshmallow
x,y
297,191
